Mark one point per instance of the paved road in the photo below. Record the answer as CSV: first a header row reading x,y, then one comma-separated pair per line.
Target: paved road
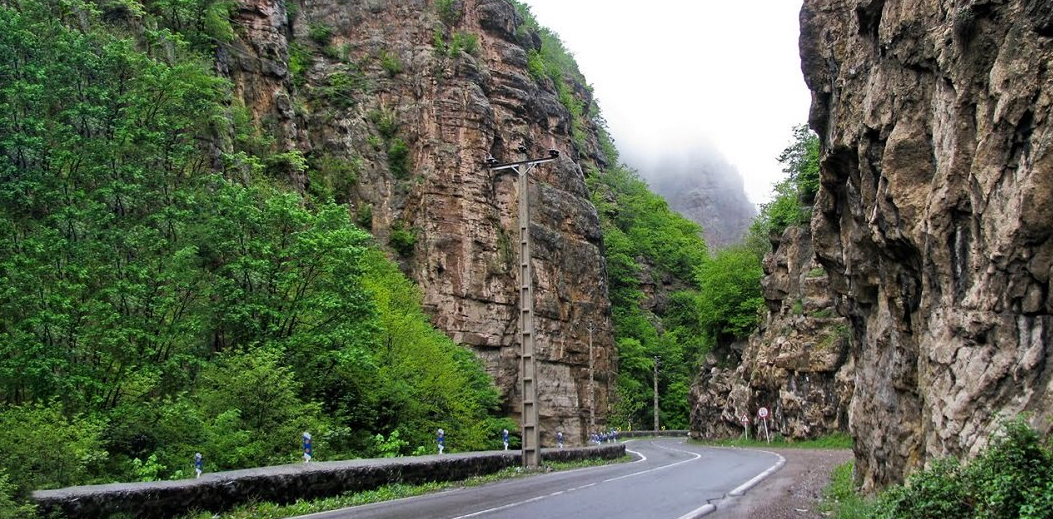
x,y
669,479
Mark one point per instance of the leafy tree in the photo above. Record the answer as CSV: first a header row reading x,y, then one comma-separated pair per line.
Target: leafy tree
x,y
794,196
159,297
730,294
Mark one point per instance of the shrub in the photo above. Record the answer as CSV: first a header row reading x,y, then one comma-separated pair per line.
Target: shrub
x,y
398,158
10,505
386,121
449,12
1010,479
403,240
320,33
390,63
341,88
299,62
43,448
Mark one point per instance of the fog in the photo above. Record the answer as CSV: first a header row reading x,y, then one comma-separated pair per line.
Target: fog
x,y
691,82
699,183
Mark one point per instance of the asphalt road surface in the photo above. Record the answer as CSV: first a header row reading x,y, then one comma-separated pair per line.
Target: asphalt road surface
x,y
670,479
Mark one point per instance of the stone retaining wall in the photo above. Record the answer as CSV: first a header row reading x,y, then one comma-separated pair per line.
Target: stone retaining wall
x,y
286,483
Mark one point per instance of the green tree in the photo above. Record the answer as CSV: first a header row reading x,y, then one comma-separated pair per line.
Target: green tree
x,y
730,294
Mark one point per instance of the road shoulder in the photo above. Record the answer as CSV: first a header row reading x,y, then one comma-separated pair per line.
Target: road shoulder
x,y
792,492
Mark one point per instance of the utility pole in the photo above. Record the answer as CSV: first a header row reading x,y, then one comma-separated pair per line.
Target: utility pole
x,y
528,363
592,392
656,359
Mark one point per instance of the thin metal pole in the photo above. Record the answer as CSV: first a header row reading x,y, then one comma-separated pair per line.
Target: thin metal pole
x,y
656,392
592,392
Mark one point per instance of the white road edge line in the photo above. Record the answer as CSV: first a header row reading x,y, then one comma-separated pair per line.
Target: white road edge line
x,y
538,498
743,488
699,512
708,508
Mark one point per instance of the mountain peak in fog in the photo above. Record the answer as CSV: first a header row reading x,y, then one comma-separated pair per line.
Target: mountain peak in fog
x,y
705,189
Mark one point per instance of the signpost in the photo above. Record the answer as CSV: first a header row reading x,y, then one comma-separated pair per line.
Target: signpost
x,y
762,413
746,425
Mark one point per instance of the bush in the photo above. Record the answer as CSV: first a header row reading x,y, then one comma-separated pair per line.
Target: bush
x,y
390,63
42,448
10,507
935,493
1012,472
1010,479
320,33
403,240
398,158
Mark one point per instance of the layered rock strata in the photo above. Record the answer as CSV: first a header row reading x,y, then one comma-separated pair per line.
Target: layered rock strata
x,y
397,104
796,365
935,216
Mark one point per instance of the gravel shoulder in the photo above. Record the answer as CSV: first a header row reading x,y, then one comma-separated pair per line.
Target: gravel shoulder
x,y
792,492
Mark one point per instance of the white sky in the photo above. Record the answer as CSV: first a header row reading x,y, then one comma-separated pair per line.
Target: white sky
x,y
675,75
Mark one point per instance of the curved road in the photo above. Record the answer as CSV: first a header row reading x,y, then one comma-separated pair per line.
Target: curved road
x,y
670,479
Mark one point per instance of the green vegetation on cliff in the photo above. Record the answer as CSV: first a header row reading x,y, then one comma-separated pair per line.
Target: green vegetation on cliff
x,y
162,292
1010,479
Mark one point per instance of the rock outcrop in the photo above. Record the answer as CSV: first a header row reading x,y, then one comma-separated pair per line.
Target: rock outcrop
x,y
397,104
707,191
935,216
796,365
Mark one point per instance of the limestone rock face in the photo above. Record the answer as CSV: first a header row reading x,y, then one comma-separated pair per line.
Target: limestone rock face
x,y
796,365
408,101
934,218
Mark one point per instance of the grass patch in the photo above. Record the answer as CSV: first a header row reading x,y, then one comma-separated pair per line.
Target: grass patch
x,y
831,441
263,510
581,464
840,498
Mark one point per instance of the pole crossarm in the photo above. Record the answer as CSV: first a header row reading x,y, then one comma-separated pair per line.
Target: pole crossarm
x,y
515,165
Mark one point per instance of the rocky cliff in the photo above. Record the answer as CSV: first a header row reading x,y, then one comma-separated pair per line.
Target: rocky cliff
x,y
396,104
796,365
935,216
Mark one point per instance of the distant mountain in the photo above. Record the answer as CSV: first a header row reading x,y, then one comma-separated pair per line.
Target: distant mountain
x,y
705,189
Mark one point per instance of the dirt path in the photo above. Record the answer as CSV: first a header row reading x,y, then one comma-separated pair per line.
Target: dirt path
x,y
793,492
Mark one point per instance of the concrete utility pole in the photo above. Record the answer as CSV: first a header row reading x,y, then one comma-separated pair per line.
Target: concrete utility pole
x,y
656,359
592,393
528,364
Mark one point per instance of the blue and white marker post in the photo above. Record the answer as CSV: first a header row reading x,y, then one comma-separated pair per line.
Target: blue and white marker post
x,y
559,439
504,436
198,463
306,447
441,440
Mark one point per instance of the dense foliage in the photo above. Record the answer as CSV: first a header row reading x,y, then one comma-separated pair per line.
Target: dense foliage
x,y
1009,479
162,293
647,243
794,196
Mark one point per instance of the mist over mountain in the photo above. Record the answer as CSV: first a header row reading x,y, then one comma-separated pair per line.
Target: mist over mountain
x,y
703,187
